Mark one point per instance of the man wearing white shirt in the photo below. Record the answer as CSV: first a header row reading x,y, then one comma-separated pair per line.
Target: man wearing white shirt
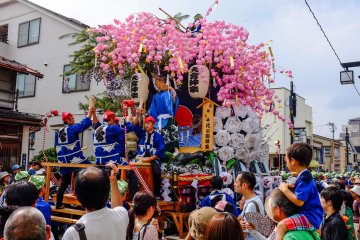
x,y
244,185
92,187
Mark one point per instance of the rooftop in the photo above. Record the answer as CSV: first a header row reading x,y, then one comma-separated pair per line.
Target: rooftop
x,y
18,67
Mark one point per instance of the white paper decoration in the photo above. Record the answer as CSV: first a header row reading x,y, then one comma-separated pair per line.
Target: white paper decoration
x,y
226,153
237,140
227,178
218,124
222,112
222,138
233,124
240,111
241,153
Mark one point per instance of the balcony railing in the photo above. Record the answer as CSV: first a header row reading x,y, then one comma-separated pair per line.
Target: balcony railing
x,y
9,99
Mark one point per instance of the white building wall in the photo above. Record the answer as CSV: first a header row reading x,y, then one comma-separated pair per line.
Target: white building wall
x,y
275,129
52,51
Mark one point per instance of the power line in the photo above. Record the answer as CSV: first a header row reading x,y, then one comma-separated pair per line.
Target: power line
x,y
327,39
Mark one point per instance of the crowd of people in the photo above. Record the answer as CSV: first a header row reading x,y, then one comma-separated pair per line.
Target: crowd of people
x,y
298,209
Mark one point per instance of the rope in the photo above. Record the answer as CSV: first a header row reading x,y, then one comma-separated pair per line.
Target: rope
x,y
143,184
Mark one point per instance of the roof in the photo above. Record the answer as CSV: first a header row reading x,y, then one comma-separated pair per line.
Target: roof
x,y
354,119
325,138
70,20
18,67
19,118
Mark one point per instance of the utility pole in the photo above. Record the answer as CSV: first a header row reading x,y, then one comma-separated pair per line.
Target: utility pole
x,y
292,108
332,129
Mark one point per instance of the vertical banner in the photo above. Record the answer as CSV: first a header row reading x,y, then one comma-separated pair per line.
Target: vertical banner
x,y
207,126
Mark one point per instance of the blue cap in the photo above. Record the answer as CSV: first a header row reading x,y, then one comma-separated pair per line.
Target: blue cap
x,y
15,167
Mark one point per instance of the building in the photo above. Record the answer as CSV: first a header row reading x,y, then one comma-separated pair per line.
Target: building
x,y
276,131
15,126
329,160
353,128
31,35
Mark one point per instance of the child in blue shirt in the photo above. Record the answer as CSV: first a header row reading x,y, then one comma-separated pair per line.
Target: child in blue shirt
x,y
305,195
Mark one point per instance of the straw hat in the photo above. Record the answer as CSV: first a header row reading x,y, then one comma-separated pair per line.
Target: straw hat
x,y
356,190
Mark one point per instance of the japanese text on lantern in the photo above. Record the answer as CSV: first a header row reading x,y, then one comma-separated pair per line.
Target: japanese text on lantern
x,y
207,126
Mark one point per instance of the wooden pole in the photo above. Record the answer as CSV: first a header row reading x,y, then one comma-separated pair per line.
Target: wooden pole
x,y
47,186
172,18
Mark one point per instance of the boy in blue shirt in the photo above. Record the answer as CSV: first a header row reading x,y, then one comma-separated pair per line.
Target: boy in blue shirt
x,y
44,207
305,195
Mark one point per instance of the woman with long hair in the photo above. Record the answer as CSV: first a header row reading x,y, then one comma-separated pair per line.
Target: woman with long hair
x,y
224,226
142,226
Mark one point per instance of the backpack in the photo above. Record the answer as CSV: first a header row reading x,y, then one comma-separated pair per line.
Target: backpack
x,y
80,228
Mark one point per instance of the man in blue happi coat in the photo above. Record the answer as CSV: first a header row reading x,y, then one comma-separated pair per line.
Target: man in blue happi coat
x,y
68,149
151,149
109,140
163,107
217,195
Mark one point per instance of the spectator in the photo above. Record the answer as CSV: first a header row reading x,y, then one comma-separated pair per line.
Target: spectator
x,y
22,176
224,206
333,226
26,223
306,196
198,221
279,207
139,217
4,181
19,194
92,187
245,184
224,226
44,207
14,170
217,195
355,193
34,167
348,200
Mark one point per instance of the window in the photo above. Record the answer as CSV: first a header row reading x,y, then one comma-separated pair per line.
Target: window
x,y
73,83
29,33
26,85
4,33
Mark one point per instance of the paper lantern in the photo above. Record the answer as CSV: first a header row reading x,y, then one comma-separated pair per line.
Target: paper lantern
x,y
199,78
139,87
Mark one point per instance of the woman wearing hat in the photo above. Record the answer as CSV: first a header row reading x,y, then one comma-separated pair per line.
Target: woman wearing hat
x,y
4,181
355,193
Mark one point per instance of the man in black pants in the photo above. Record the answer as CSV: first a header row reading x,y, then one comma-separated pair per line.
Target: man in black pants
x,y
68,149
150,150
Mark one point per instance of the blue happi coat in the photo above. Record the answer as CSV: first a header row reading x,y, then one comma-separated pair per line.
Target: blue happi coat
x,y
163,107
149,145
68,146
109,143
215,196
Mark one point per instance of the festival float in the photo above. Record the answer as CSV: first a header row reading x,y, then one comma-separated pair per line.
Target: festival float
x,y
207,88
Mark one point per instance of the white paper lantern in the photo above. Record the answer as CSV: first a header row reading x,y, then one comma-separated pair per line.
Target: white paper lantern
x,y
199,78
139,87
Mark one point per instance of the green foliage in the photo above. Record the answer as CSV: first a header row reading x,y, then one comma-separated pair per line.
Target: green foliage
x,y
83,60
106,103
50,154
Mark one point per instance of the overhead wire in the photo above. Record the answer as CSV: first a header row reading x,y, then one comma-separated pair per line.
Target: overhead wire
x,y
327,39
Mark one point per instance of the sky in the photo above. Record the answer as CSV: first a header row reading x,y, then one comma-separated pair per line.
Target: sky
x,y
298,44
